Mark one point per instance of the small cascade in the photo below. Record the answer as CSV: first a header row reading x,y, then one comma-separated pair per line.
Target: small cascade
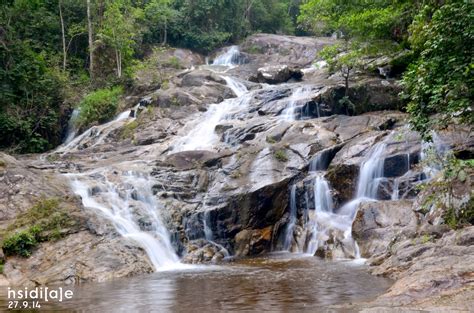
x,y
96,135
237,87
296,101
71,128
326,228
207,229
203,135
128,204
371,173
230,58
323,208
292,220
320,162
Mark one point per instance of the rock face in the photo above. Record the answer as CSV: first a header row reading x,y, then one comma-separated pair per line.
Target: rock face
x,y
376,224
235,168
276,74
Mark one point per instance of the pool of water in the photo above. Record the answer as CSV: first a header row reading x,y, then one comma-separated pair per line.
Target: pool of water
x,y
276,283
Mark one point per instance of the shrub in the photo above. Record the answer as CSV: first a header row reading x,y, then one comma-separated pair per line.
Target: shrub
x,y
44,221
281,156
174,62
21,243
98,107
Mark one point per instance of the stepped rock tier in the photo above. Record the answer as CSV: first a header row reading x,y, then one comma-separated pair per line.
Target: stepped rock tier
x,y
250,154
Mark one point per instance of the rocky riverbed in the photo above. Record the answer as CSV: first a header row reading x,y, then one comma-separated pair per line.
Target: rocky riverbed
x,y
247,156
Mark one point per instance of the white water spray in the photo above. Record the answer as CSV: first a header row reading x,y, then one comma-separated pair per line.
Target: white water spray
x,y
296,101
119,203
229,58
203,135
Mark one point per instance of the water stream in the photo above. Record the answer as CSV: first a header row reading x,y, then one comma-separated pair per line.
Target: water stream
x,y
128,203
281,282
277,283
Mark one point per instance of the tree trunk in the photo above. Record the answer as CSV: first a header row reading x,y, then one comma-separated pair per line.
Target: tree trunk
x,y
91,42
165,33
346,79
63,35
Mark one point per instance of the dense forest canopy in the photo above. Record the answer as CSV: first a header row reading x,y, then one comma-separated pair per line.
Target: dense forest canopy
x,y
55,51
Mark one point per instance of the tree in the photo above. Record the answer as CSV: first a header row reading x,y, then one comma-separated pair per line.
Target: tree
x,y
441,80
118,31
63,35
159,14
91,40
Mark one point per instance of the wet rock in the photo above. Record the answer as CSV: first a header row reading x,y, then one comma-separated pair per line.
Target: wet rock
x,y
78,259
378,223
200,77
253,242
277,74
279,49
192,159
427,268
367,95
202,251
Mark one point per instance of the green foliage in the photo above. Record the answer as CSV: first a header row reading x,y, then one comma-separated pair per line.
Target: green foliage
x,y
280,155
271,16
29,100
42,222
21,243
174,62
129,129
98,107
441,80
371,20
442,191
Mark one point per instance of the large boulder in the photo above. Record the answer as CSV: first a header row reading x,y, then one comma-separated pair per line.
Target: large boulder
x,y
378,223
198,78
277,74
253,241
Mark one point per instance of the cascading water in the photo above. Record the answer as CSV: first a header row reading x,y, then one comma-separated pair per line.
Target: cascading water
x,y
298,98
230,58
71,128
97,134
128,204
292,220
203,135
323,208
323,221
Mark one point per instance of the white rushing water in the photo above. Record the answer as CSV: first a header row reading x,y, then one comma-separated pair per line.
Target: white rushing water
x,y
229,58
323,211
292,220
323,221
71,127
126,202
96,135
203,135
298,98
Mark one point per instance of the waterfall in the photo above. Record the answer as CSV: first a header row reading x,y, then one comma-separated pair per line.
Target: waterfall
x,y
322,195
320,162
71,128
97,134
371,172
129,205
207,229
229,58
203,135
291,224
323,207
296,101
